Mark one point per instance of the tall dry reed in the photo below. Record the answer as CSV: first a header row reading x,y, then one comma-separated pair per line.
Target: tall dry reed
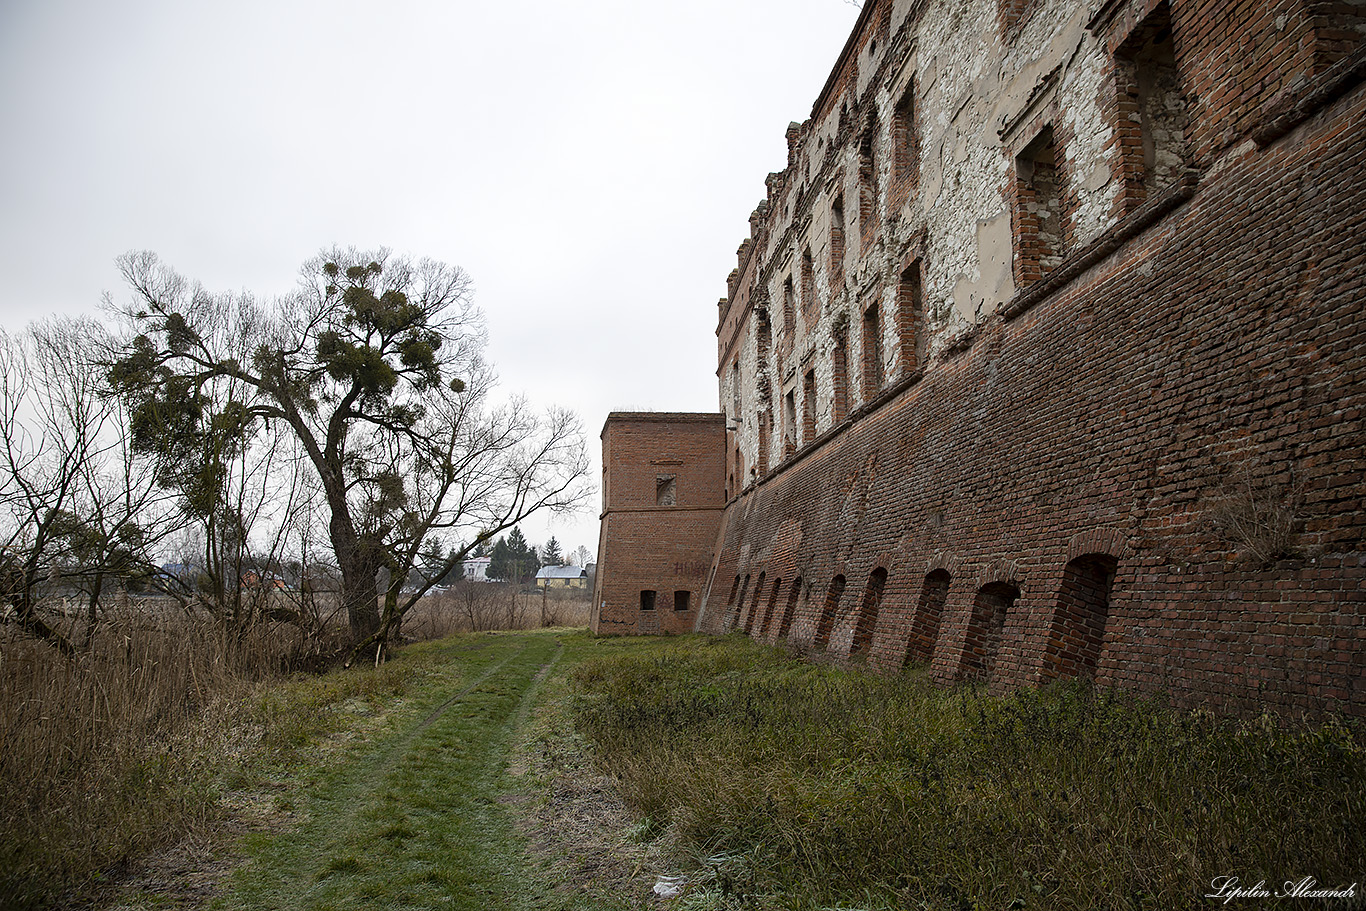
x,y
105,755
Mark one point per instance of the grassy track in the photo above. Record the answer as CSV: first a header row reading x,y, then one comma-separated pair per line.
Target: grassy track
x,y
415,820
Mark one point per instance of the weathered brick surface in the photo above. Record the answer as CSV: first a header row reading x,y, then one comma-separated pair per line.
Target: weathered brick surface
x,y
1150,469
662,504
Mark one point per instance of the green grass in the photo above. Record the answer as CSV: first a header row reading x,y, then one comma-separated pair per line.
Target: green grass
x,y
806,786
420,817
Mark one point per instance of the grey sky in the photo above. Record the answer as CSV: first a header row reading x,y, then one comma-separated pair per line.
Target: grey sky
x,y
591,165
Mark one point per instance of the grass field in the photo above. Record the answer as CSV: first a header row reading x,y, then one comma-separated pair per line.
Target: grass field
x,y
551,770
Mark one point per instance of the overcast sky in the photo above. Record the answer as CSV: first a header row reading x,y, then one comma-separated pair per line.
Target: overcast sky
x,y
592,165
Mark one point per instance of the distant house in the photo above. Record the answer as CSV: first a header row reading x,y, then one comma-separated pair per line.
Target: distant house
x,y
477,568
562,577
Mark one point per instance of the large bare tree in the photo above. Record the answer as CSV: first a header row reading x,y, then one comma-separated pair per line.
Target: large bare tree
x,y
375,365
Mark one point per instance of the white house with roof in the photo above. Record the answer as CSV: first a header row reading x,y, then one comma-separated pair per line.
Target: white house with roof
x,y
562,577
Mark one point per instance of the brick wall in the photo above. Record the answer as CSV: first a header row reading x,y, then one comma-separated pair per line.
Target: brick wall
x,y
663,493
1145,465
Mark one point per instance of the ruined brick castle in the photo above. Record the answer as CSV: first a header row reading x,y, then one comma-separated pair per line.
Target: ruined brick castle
x,y
1045,357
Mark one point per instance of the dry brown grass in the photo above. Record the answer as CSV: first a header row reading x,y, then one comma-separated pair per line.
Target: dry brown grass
x,y
104,755
479,606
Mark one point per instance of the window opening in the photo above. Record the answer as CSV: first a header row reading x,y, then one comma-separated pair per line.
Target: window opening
x,y
1082,612
772,603
989,610
828,611
910,305
791,610
840,378
754,605
647,600
872,352
666,490
809,306
868,610
928,610
1039,211
1153,120
837,242
682,600
808,407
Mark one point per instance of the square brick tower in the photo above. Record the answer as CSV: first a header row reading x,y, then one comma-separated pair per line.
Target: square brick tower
x,y
663,495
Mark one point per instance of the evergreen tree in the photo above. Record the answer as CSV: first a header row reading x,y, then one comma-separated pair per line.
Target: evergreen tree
x,y
550,554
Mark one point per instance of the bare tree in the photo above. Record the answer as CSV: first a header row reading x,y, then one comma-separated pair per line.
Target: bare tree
x,y
375,366
80,511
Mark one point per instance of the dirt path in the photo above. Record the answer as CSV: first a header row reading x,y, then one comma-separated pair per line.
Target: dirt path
x,y
421,818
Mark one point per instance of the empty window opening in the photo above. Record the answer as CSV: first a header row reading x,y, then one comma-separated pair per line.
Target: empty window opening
x,y
809,407
910,317
993,602
666,490
1082,611
928,610
789,310
733,615
1153,121
772,604
790,611
836,243
829,610
1039,212
735,587
647,600
735,390
682,600
839,374
906,143
789,423
754,605
809,305
872,352
763,444
866,624
867,186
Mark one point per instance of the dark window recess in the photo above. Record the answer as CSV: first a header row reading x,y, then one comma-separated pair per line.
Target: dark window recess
x,y
681,600
647,600
666,490
872,352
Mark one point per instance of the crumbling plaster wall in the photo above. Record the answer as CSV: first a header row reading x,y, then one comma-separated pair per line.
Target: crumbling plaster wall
x,y
970,81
